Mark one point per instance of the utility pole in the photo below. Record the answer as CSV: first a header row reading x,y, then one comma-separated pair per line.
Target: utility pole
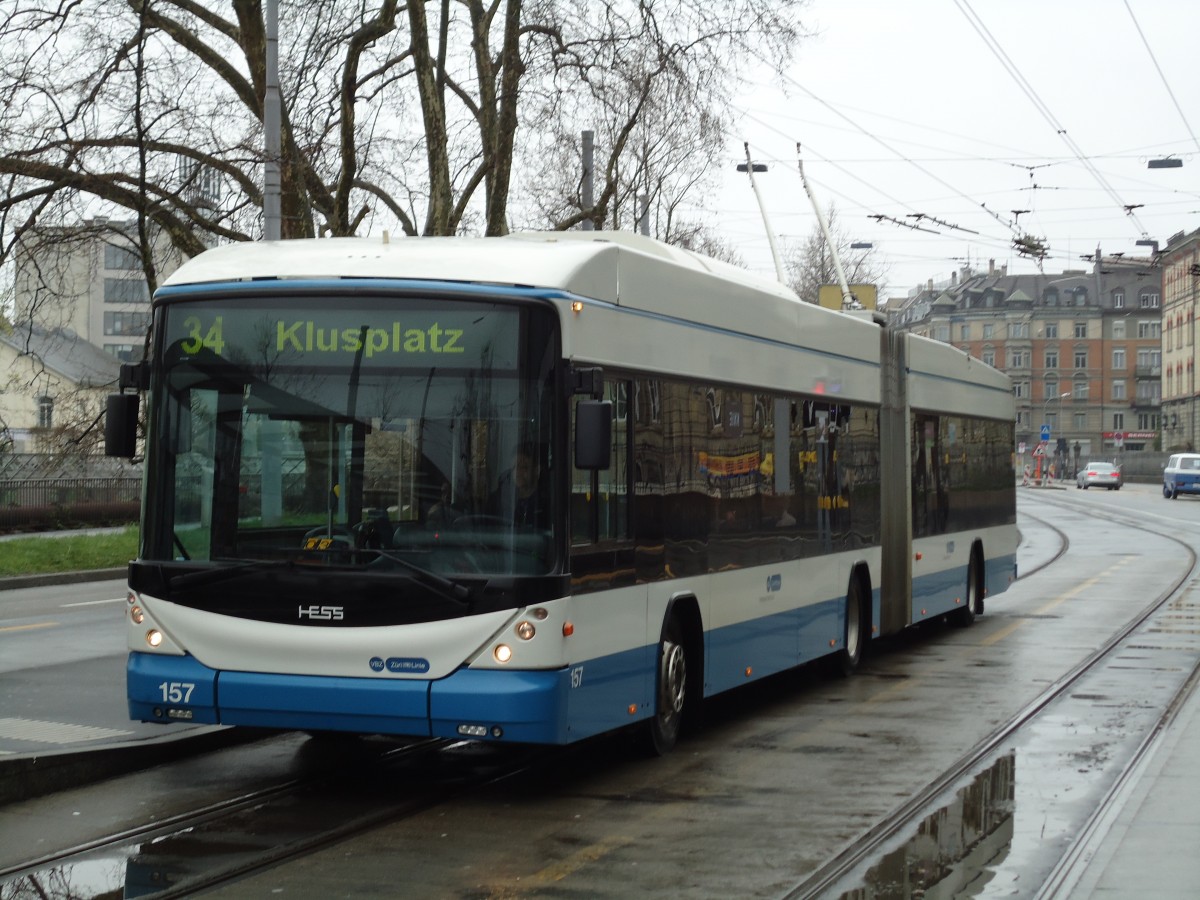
x,y
588,178
272,118
1100,301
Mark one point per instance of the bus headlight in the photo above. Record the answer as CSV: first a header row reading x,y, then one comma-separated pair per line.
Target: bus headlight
x,y
154,637
137,615
525,631
502,653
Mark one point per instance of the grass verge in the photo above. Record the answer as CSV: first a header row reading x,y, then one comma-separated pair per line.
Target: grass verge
x,y
39,555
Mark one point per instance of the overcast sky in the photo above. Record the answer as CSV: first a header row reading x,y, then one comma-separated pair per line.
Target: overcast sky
x,y
966,110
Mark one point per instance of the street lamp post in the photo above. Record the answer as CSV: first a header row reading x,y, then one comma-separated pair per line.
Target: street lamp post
x,y
1045,415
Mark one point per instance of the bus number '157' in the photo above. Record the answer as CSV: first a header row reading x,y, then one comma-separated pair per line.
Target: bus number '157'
x,y
176,691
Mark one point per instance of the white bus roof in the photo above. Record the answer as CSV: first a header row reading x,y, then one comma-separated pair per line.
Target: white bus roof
x,y
578,262
613,267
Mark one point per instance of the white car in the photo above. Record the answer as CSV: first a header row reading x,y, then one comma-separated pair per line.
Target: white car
x,y
1098,474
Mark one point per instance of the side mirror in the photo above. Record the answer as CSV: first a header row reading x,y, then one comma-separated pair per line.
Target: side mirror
x,y
593,434
120,425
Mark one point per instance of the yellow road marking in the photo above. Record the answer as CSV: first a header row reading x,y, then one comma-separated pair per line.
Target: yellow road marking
x,y
1000,635
576,861
8,628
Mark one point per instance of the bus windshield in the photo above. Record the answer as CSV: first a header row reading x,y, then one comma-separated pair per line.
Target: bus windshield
x,y
389,434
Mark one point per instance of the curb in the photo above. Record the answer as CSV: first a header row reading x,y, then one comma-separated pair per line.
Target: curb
x,y
50,578
38,774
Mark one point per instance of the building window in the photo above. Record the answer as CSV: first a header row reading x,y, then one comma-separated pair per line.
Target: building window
x,y
1118,329
121,258
964,333
1018,329
941,333
45,412
989,357
1081,390
1148,300
1118,299
1050,297
1149,330
1149,358
1080,297
1118,389
1052,359
1021,389
126,322
125,290
987,331
1081,359
1081,329
1081,421
1018,359
1118,422
1051,329
1118,359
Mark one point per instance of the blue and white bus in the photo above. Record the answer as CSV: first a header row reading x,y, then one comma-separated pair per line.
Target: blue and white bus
x,y
727,482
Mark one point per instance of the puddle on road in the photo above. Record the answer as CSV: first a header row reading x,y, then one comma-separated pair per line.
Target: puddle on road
x,y
952,849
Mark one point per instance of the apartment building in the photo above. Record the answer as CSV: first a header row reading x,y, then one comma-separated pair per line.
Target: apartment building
x,y
1181,310
1083,348
88,280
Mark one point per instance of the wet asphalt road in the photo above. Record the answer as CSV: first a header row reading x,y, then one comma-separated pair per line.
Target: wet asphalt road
x,y
783,775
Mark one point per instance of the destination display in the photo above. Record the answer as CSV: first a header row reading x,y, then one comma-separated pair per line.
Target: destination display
x,y
397,335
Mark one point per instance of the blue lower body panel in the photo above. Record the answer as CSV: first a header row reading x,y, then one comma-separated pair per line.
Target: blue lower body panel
x,y
516,706
1182,484
530,707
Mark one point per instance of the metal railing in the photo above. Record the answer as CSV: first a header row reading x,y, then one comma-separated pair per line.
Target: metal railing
x,y
31,504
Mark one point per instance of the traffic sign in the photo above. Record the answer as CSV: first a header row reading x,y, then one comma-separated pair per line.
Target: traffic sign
x,y
1045,432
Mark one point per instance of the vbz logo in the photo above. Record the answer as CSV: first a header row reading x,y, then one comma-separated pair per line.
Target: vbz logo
x,y
325,613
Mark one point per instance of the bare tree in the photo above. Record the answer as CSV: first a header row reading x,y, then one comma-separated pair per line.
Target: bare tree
x,y
419,117
810,264
406,115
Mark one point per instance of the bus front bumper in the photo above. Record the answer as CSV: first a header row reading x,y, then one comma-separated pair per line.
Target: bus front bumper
x,y
513,706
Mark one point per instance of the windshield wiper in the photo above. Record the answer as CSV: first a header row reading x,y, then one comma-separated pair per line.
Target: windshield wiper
x,y
451,590
213,576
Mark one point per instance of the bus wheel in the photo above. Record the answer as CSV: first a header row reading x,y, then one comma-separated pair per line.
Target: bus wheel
x,y
670,696
973,601
855,636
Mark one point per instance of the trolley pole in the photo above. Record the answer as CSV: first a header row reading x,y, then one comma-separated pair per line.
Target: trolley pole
x,y
848,300
750,169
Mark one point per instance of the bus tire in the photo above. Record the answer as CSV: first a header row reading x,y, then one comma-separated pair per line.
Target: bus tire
x,y
973,601
855,633
670,691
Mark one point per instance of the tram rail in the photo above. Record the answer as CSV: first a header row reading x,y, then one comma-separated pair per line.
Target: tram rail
x,y
831,878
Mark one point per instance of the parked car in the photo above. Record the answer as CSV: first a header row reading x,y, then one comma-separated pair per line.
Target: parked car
x,y
1100,474
1181,475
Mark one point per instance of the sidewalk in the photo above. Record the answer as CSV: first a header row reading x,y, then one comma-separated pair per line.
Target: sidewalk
x,y
1148,846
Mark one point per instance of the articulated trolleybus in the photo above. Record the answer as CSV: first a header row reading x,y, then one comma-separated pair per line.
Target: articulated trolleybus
x,y
535,488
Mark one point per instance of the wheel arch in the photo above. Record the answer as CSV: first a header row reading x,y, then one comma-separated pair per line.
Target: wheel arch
x,y
979,558
686,608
